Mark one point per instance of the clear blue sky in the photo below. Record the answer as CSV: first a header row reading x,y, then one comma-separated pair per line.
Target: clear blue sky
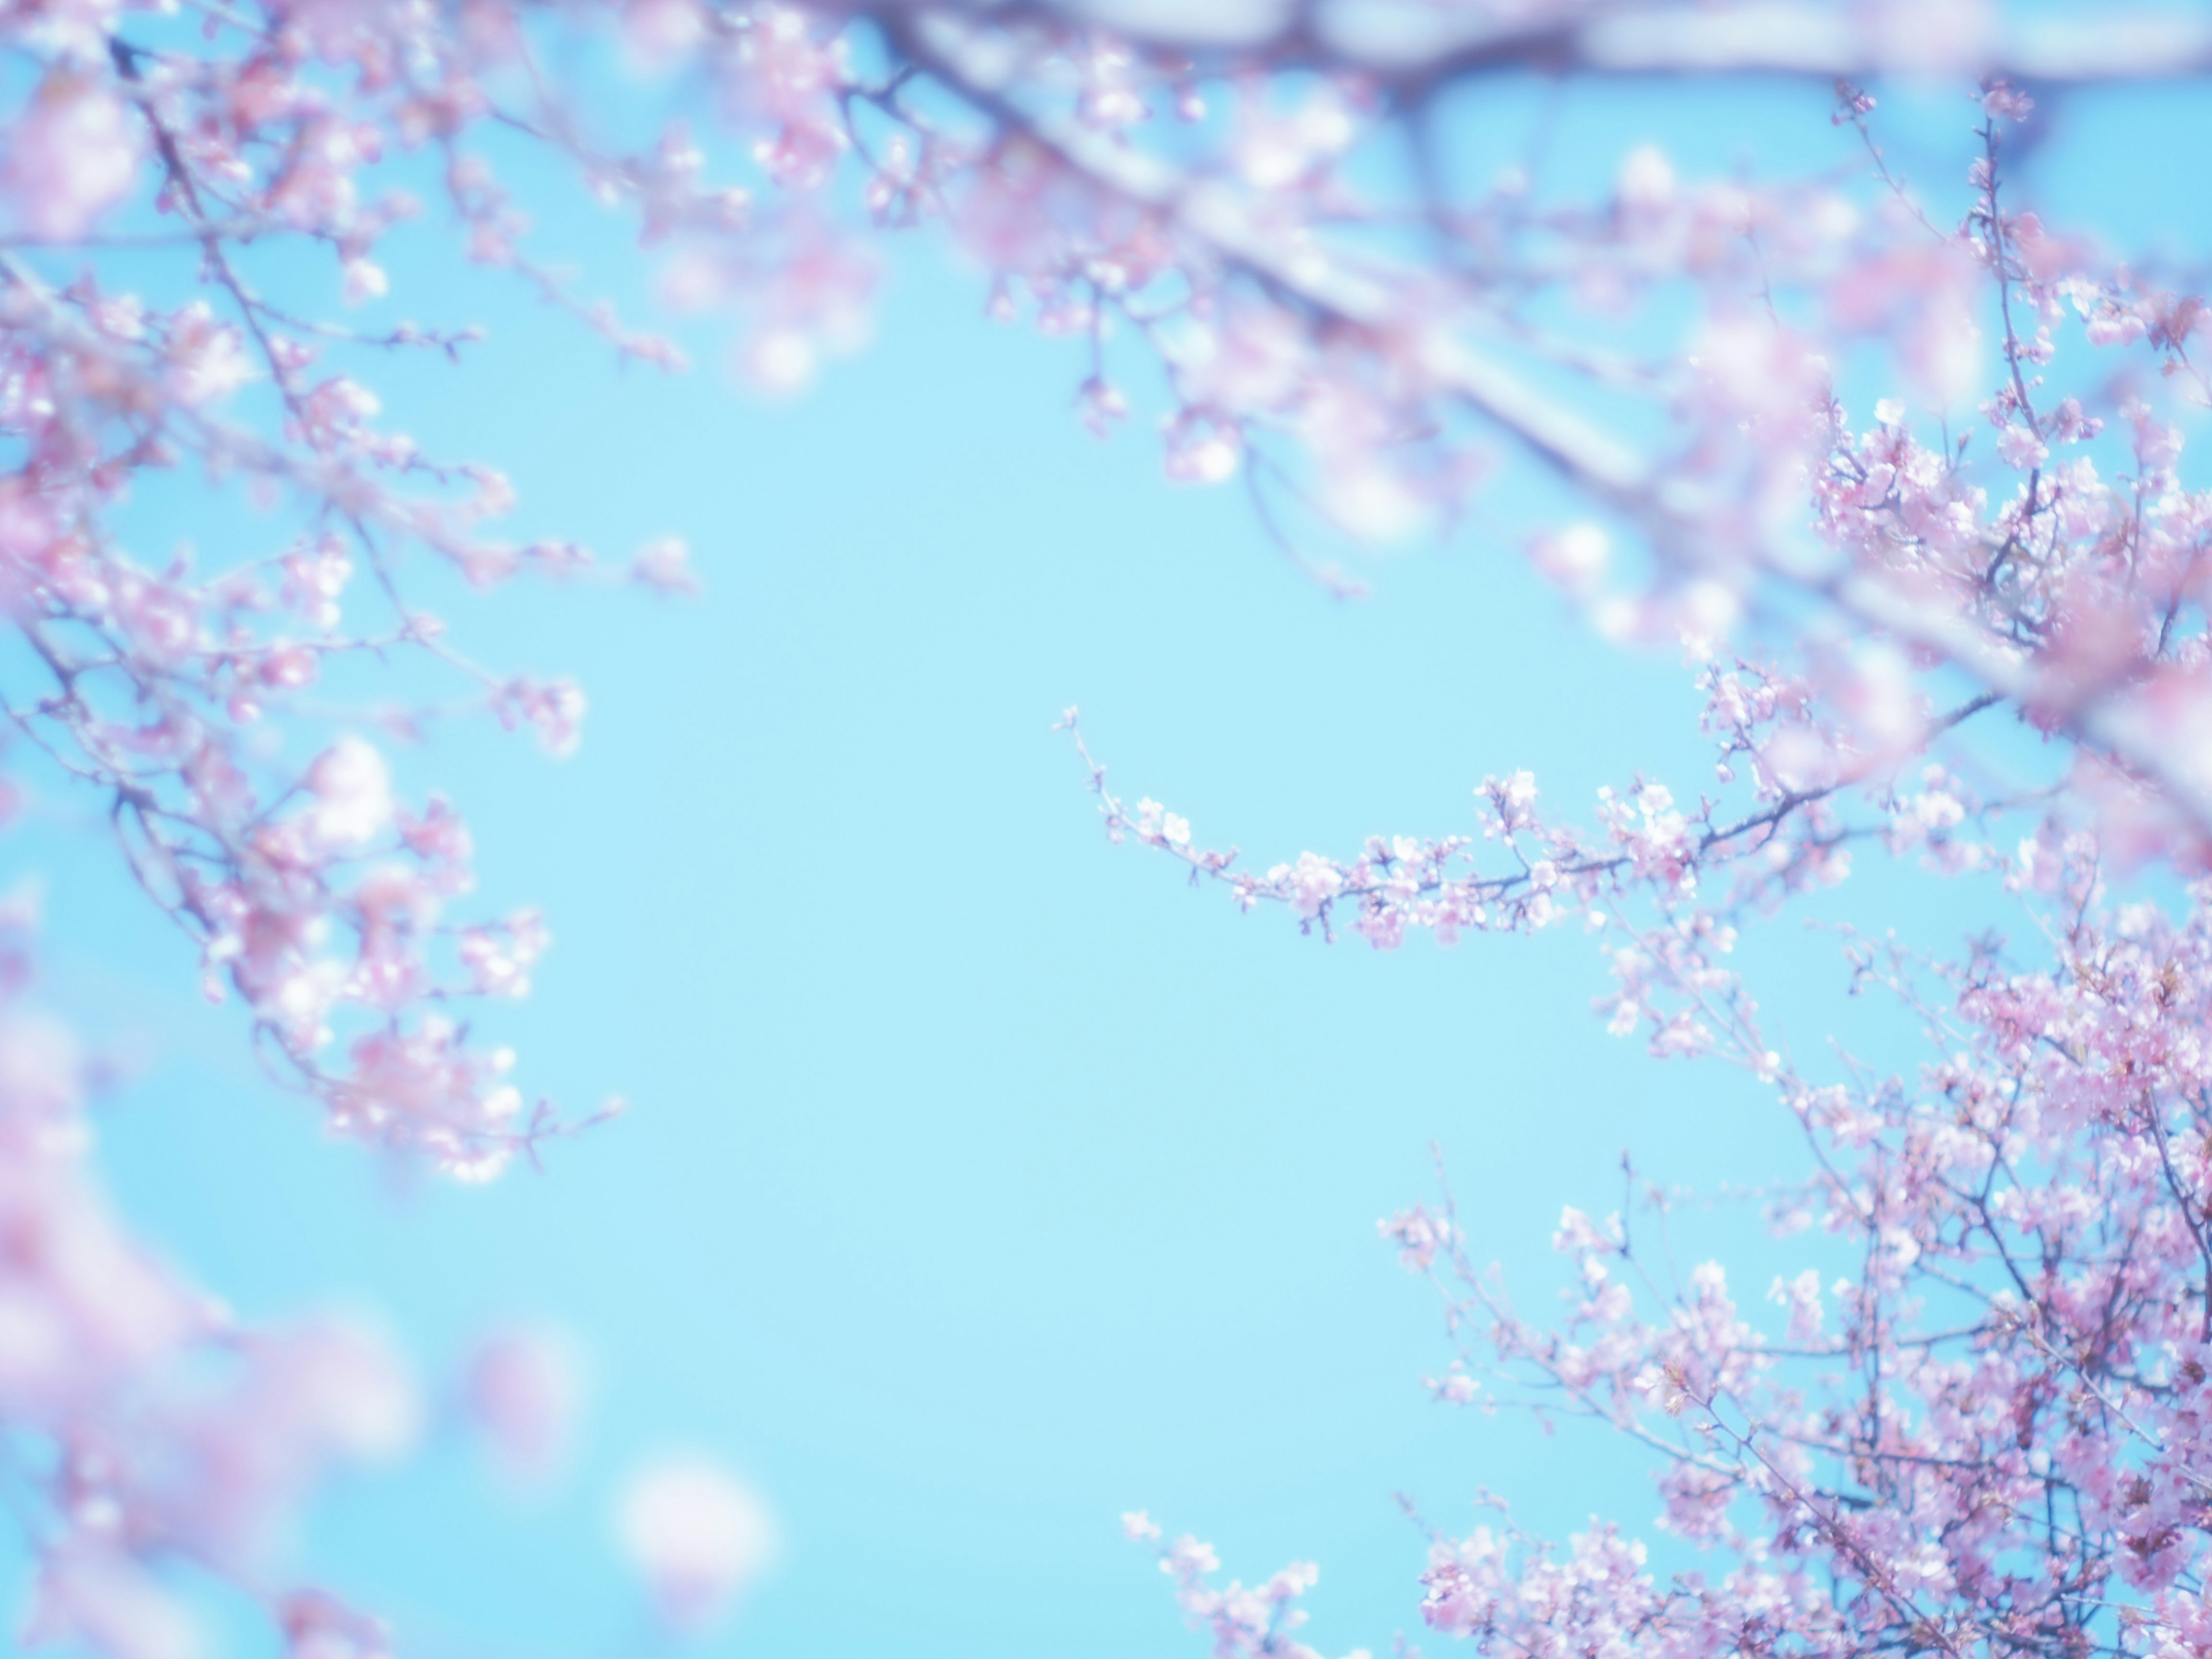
x,y
983,1180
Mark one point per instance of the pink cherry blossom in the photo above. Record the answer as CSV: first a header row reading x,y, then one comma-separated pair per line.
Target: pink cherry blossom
x,y
697,1536
72,156
522,1392
1753,397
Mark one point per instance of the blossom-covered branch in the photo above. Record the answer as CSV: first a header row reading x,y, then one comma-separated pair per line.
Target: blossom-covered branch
x,y
1413,52
1755,388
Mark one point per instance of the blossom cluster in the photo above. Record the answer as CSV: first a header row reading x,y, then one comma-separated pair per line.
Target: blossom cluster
x,y
196,200
1988,1433
165,1449
154,1426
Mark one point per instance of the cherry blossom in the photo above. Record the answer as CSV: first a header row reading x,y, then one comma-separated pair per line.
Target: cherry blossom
x,y
522,1391
156,1431
1984,1436
697,1535
1898,462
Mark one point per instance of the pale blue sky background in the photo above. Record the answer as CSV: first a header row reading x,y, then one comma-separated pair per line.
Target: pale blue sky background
x,y
983,1180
